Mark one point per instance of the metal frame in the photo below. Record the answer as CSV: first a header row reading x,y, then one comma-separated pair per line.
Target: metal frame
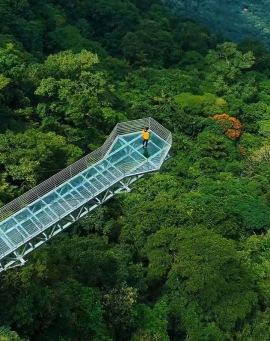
x,y
17,258
115,170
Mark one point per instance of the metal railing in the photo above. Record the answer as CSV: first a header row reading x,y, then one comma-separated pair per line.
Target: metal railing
x,y
50,196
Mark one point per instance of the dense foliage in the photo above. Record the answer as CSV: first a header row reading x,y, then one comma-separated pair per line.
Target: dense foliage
x,y
185,256
236,19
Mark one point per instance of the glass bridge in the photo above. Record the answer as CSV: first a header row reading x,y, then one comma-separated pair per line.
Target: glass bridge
x,y
39,214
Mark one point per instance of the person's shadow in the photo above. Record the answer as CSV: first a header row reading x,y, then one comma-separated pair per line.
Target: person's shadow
x,y
146,153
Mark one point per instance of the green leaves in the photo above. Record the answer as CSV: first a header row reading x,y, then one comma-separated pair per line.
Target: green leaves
x,y
179,257
224,65
78,283
208,268
3,81
152,323
76,96
68,64
31,156
8,335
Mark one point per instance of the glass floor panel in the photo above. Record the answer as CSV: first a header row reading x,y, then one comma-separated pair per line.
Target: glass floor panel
x,y
135,144
7,225
89,173
127,166
22,216
90,188
102,166
51,198
73,198
30,227
98,185
152,149
121,154
3,246
118,144
37,206
46,217
58,209
102,179
84,192
77,181
130,137
139,157
15,236
64,189
126,157
147,166
66,205
115,172
159,142
110,176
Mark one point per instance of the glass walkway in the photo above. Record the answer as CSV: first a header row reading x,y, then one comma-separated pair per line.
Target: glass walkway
x,y
39,214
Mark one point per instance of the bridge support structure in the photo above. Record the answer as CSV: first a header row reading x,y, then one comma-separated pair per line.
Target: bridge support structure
x,y
43,212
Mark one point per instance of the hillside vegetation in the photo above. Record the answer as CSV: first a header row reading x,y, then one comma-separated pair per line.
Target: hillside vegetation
x,y
185,255
237,19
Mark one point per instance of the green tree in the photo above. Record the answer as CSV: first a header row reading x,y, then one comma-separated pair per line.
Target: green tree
x,y
7,335
32,156
202,270
75,100
223,66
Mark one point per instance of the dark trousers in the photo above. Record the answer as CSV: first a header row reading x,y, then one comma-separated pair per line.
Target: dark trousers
x,y
145,143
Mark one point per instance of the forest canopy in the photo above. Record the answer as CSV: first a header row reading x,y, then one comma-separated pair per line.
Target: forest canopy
x,y
237,20
185,255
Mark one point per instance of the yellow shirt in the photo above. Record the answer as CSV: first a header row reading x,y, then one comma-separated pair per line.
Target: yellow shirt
x,y
145,135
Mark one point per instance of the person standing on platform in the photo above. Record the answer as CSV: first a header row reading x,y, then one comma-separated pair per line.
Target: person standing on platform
x,y
146,137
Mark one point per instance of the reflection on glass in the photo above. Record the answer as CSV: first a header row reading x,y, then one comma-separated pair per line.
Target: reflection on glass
x,y
146,153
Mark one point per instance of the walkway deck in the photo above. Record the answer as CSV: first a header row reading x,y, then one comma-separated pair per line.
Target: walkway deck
x,y
55,204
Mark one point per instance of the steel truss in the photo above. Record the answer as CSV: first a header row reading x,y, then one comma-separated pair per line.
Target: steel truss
x,y
17,257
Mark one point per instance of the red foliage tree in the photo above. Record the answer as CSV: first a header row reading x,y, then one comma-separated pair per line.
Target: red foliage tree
x,y
231,126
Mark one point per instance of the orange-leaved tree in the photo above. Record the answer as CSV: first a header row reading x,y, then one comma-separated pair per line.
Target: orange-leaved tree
x,y
231,126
